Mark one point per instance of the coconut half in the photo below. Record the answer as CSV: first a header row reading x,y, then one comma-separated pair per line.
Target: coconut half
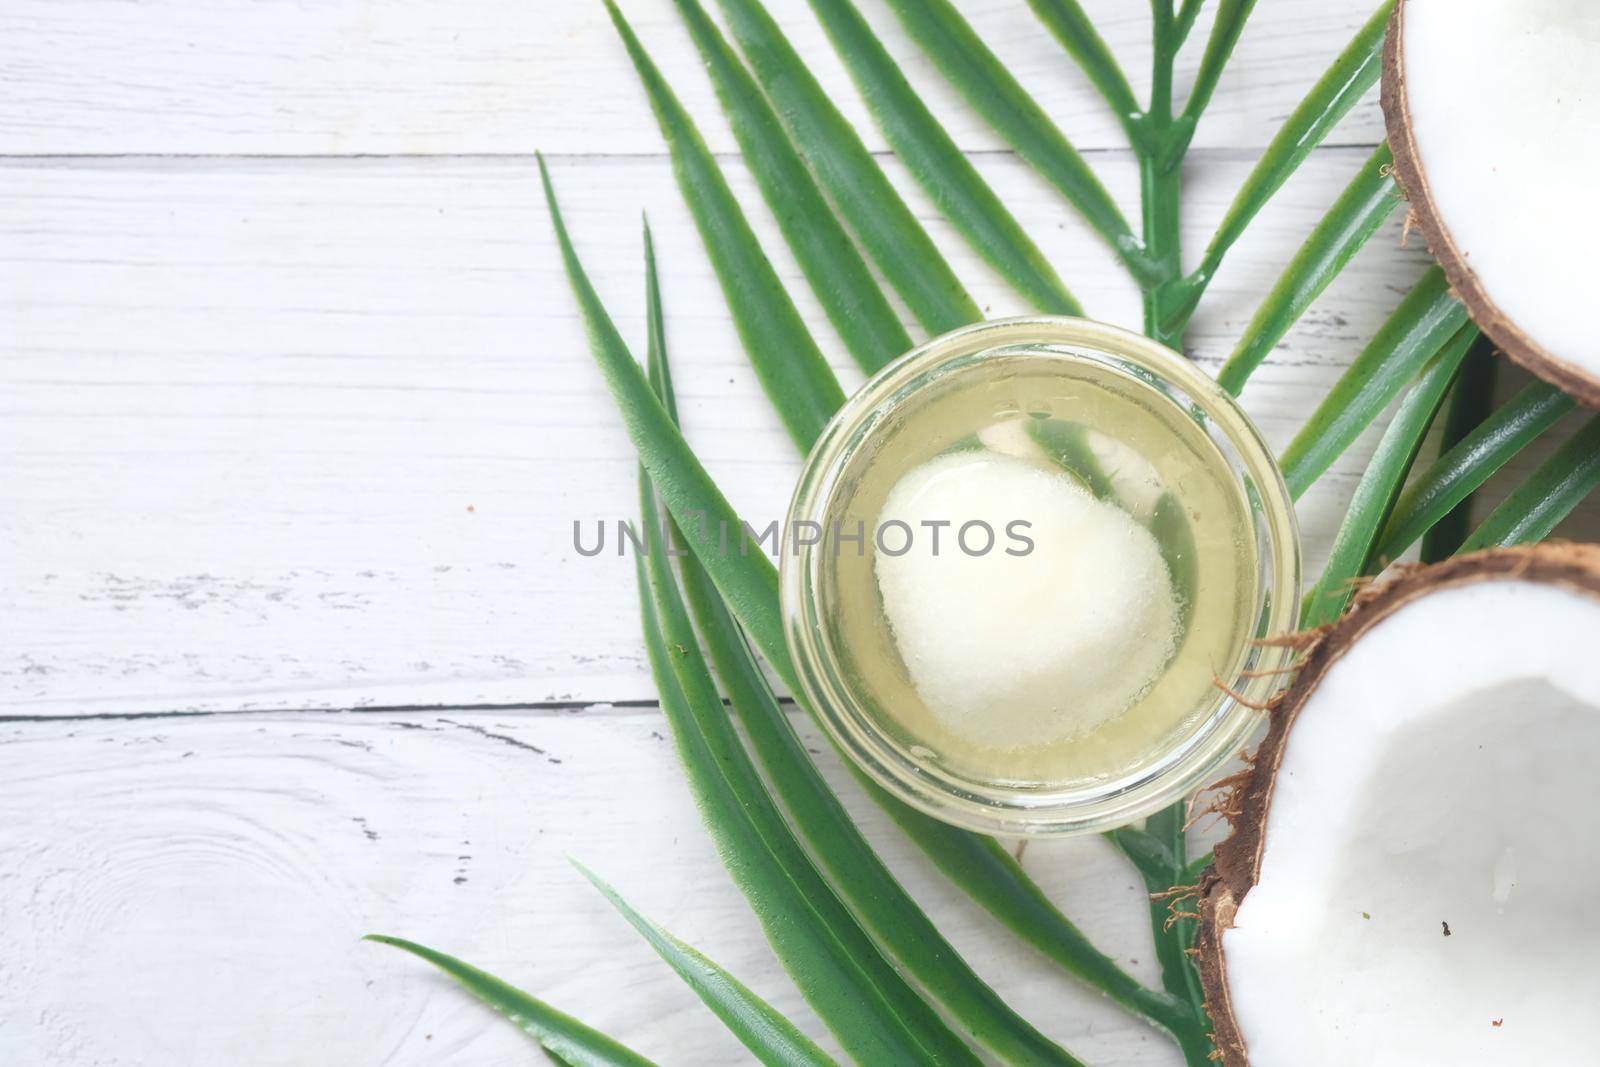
x,y
1493,112
1413,876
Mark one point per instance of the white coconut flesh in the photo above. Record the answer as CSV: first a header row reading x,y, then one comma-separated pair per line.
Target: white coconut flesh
x,y
1502,98
1012,650
1429,887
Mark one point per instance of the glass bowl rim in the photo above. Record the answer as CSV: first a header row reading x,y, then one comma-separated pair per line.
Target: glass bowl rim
x,y
1235,712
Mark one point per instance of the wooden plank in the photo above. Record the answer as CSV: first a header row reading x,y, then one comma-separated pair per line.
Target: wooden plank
x,y
497,76
185,890
299,434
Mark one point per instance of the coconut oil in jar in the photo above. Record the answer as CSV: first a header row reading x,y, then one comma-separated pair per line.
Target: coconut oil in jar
x,y
1038,576
1117,585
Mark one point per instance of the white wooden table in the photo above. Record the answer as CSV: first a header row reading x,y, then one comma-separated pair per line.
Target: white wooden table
x,y
297,417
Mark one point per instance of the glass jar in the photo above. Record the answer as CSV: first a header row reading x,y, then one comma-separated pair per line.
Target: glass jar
x,y
1150,416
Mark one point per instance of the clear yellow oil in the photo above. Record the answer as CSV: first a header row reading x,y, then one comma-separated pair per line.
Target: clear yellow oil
x,y
1128,443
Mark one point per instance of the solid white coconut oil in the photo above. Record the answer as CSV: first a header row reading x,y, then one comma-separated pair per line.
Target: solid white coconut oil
x,y
1056,570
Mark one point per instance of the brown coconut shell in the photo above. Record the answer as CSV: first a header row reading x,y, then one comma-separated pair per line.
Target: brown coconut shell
x,y
1506,334
1237,864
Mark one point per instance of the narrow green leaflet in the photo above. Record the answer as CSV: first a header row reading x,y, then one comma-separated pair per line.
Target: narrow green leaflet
x,y
658,374
560,1034
1159,852
1184,22
832,959
938,164
1380,483
775,1040
856,992
977,864
1471,402
1427,318
792,369
991,876
745,577
1347,81
879,901
1366,202
1470,462
1071,26
849,294
1225,31
966,61
1536,507
883,906
889,232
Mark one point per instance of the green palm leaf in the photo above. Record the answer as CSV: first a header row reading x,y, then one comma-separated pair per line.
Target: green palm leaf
x,y
786,358
878,899
1536,507
1184,21
830,956
938,164
1470,462
991,876
881,903
966,61
775,1040
1369,199
1074,29
1427,318
1345,82
803,154
849,294
561,1035
1471,402
891,235
876,1016
747,579
1380,483
1225,31
1160,853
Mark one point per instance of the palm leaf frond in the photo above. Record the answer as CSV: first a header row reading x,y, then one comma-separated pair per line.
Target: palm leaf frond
x,y
1225,32
939,165
1471,402
1071,26
1427,318
773,1039
1535,508
856,992
1469,463
1369,199
562,1036
787,360
747,579
835,269
1352,74
889,232
950,41
1380,483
